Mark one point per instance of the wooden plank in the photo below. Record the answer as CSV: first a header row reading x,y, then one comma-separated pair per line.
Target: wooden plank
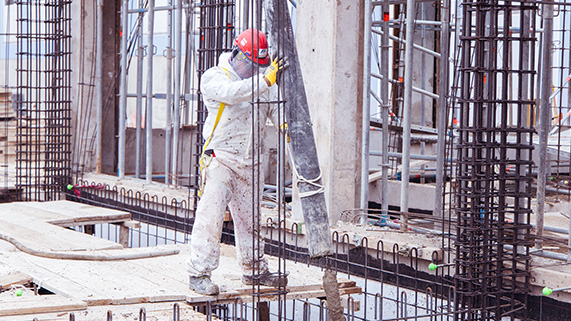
x,y
17,212
131,312
270,296
124,236
40,269
41,236
74,212
161,279
39,304
13,278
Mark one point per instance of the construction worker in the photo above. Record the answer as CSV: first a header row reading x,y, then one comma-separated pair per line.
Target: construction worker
x,y
230,160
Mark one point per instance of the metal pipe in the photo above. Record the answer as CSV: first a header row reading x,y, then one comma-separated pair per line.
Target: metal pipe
x,y
419,47
423,78
160,8
411,156
177,84
149,118
415,46
139,112
245,14
553,229
122,92
415,89
385,113
442,108
524,121
410,12
546,76
542,253
168,127
366,120
421,22
99,84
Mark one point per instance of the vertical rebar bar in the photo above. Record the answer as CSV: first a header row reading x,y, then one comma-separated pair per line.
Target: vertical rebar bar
x,y
149,117
177,84
99,84
366,120
442,107
545,117
406,120
123,90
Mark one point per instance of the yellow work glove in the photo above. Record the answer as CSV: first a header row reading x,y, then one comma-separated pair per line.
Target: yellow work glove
x,y
278,64
283,127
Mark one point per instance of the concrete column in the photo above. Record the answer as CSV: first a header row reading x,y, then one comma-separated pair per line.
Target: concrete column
x,y
330,48
83,80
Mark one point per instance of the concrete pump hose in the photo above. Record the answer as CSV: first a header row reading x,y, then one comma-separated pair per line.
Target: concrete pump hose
x,y
87,256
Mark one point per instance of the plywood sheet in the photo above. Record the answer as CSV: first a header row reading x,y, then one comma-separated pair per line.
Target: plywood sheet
x,y
15,305
159,279
72,213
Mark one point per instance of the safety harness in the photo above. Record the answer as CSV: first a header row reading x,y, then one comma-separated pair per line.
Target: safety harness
x,y
205,159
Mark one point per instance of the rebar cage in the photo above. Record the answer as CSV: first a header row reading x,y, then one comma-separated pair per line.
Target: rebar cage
x,y
493,195
43,160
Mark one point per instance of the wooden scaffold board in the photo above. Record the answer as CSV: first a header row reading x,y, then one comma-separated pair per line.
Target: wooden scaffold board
x,y
122,282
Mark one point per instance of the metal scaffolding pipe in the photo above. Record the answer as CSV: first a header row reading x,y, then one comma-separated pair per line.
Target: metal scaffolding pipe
x,y
416,46
139,112
411,156
149,117
177,84
122,91
546,76
415,89
542,253
99,84
555,229
442,108
385,113
168,127
160,8
366,120
410,12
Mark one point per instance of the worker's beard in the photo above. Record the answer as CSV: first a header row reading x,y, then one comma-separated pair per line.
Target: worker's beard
x,y
245,68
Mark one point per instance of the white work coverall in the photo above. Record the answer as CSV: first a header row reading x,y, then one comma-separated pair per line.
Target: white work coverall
x,y
229,173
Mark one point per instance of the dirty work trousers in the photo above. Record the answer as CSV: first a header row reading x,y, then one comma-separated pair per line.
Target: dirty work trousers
x,y
227,183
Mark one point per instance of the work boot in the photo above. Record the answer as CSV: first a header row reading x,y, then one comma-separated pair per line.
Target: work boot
x,y
203,285
267,279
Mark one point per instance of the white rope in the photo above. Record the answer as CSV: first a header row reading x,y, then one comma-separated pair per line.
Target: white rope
x,y
301,179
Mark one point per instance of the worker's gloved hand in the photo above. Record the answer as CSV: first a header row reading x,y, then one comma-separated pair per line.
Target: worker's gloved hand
x,y
278,65
285,132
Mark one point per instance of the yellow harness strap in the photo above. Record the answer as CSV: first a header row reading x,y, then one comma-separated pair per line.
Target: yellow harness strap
x,y
203,162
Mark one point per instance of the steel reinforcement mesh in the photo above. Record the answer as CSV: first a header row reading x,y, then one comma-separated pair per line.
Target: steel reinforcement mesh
x,y
494,167
43,155
216,36
393,286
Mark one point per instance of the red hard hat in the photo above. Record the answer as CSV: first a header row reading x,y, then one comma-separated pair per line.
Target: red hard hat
x,y
253,44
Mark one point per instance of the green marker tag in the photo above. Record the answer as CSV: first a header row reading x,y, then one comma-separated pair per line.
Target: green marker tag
x,y
547,291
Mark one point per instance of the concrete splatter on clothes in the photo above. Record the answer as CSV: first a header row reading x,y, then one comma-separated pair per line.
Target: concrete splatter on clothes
x,y
229,174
